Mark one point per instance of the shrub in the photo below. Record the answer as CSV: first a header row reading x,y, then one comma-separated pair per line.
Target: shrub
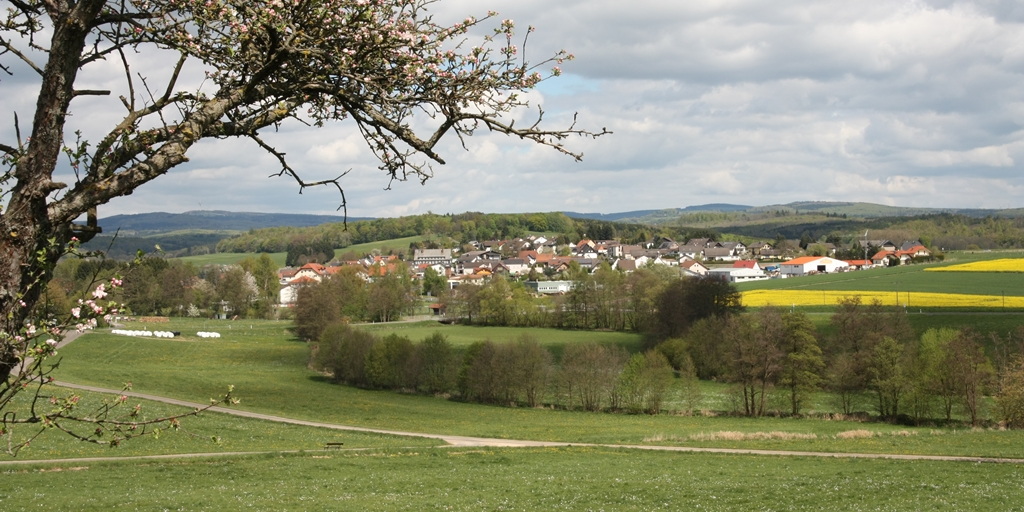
x,y
342,351
436,368
644,382
388,363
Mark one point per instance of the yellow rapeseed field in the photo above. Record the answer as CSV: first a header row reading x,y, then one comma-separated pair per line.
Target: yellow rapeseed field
x,y
783,298
1000,265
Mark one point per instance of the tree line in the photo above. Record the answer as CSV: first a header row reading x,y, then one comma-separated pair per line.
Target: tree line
x,y
450,230
653,300
871,359
522,372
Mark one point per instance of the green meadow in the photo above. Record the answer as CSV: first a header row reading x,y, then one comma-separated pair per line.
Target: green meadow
x,y
268,369
204,433
463,335
230,258
384,246
576,478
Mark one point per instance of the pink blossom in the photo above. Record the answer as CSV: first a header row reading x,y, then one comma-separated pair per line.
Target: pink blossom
x,y
100,291
76,312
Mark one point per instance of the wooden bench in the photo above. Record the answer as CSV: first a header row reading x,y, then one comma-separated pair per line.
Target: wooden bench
x,y
333,446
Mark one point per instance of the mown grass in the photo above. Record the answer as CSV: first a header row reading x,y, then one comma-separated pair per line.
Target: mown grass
x,y
208,432
384,246
269,371
230,258
463,335
515,479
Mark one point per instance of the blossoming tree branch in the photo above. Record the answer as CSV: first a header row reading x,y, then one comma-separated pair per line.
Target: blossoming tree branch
x,y
374,63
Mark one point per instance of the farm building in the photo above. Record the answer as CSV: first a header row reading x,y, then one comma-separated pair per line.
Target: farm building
x,y
737,275
812,264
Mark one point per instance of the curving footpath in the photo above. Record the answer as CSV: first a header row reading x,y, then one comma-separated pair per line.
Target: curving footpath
x,y
466,441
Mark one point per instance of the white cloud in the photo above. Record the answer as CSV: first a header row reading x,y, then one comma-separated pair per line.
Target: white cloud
x,y
751,102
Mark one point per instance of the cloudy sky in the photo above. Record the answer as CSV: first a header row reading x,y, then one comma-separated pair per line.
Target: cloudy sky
x,y
910,103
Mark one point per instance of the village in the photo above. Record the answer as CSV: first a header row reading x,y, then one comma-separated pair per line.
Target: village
x,y
541,262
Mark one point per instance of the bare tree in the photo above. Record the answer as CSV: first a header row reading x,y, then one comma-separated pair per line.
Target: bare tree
x,y
532,368
589,373
373,63
755,343
972,372
1011,393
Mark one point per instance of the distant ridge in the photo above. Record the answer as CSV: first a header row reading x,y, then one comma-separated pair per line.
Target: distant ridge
x,y
142,224
852,209
611,217
228,223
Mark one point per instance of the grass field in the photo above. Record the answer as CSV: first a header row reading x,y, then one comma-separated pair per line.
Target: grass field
x,y
270,375
514,479
269,370
232,433
230,258
384,246
462,335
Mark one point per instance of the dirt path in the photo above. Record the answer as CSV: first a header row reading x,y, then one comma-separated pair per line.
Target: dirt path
x,y
465,441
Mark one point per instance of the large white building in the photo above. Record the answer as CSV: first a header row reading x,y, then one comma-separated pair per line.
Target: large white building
x,y
432,257
812,264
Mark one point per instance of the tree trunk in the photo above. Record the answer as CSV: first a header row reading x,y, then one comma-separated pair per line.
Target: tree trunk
x,y
29,245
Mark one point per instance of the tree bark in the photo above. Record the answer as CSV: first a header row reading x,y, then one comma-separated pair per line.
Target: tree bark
x,y
30,244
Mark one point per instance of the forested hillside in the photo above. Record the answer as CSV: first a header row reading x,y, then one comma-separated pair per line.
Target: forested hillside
x,y
944,230
812,221
460,228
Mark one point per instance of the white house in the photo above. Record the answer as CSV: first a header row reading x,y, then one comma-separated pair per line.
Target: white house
x,y
691,267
